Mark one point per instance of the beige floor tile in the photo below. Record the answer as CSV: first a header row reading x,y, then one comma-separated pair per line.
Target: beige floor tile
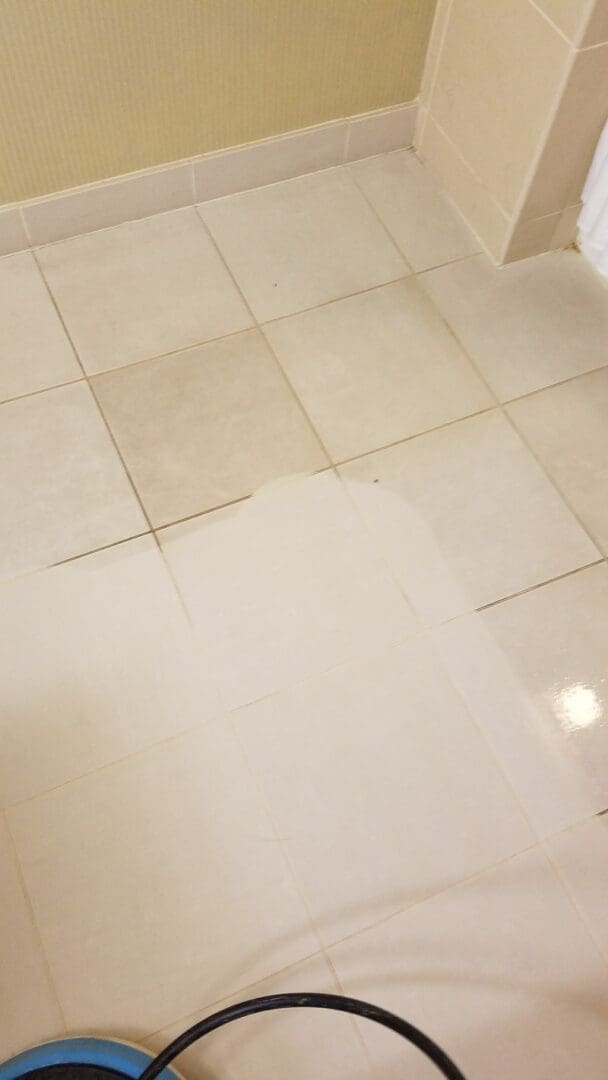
x,y
162,876
375,368
63,490
302,242
294,1043
34,349
381,786
533,673
116,667
142,289
581,856
284,586
201,428
500,971
465,516
567,428
28,1008
427,228
529,324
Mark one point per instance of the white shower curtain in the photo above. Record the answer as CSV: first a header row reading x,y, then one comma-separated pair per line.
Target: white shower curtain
x,y
593,220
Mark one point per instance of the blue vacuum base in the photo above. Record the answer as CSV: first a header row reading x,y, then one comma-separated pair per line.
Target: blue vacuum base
x,y
81,1059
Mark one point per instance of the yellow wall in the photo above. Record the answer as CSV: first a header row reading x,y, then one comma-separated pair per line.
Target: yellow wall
x,y
94,88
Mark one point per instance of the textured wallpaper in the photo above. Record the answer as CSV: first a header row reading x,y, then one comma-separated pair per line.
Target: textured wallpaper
x,y
94,88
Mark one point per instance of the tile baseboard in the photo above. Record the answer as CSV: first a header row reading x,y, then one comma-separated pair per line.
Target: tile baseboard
x,y
141,194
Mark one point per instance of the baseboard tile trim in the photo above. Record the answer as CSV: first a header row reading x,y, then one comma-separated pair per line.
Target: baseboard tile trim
x,y
103,204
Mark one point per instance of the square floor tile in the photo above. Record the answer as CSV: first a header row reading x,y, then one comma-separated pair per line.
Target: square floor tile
x,y
34,349
302,242
465,516
381,786
158,885
116,667
294,1043
528,324
142,289
63,489
581,856
375,368
284,585
426,227
29,1012
533,673
499,970
201,428
567,428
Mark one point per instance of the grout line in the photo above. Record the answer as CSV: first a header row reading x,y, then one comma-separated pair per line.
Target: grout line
x,y
549,20
554,385
565,884
337,299
533,588
551,480
34,922
299,404
415,435
42,390
221,715
74,558
384,226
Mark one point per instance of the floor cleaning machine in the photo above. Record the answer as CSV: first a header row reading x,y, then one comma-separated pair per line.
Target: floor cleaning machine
x,y
105,1059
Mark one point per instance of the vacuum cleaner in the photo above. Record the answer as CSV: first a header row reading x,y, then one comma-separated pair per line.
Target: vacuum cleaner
x,y
105,1059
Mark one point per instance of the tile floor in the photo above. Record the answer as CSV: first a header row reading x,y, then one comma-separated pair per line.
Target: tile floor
x,y
304,612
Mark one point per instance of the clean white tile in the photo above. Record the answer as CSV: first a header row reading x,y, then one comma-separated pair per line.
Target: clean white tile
x,y
465,516
294,1043
267,162
98,206
204,427
581,856
500,971
300,243
426,227
158,885
34,348
533,673
380,132
12,233
116,667
375,368
29,1012
381,785
528,324
142,289
566,428
63,489
284,585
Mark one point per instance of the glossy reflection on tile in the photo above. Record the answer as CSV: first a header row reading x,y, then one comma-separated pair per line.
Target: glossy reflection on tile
x,y
302,242
567,429
381,786
294,1043
142,289
581,856
116,667
533,673
426,227
162,875
499,970
34,349
465,516
63,489
284,585
29,1010
205,427
376,368
529,324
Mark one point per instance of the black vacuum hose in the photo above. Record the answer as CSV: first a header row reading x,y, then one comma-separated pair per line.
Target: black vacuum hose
x,y
303,1001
